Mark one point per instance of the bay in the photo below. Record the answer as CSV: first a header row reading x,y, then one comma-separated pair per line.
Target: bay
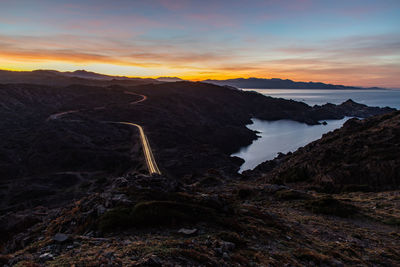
x,y
286,135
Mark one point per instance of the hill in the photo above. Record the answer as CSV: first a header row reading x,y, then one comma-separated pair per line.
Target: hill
x,y
362,155
74,189
59,79
169,79
178,119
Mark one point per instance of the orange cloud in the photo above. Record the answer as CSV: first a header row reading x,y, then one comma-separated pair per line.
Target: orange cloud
x,y
361,62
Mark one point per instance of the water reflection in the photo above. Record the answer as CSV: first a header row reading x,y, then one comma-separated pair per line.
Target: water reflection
x,y
281,136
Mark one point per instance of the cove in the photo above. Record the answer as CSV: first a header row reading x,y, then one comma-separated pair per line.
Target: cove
x,y
281,136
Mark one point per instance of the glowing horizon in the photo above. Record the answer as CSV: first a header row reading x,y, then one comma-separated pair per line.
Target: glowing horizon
x,y
346,42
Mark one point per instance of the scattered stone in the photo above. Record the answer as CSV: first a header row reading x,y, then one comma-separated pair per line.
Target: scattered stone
x,y
152,260
46,256
89,234
121,199
227,246
187,231
60,237
126,242
218,251
109,255
101,209
337,263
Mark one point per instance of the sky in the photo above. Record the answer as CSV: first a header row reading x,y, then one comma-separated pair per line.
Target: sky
x,y
351,42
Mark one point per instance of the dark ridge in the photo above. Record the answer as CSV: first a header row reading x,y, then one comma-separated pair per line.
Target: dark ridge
x,y
275,83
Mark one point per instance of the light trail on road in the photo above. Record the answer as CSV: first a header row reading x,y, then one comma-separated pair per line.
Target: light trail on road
x,y
148,154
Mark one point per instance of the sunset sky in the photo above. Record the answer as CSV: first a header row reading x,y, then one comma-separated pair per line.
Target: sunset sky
x,y
351,42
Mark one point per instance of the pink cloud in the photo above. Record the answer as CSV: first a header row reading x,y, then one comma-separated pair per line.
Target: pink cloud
x,y
174,5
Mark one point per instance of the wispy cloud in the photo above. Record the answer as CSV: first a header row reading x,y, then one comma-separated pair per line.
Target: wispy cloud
x,y
350,42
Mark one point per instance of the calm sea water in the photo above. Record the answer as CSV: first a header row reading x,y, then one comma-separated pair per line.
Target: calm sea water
x,y
374,98
286,135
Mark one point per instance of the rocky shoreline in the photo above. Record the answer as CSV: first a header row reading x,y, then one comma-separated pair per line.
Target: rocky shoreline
x,y
362,155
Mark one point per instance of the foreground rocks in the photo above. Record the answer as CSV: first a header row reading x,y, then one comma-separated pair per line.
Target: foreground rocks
x,y
268,225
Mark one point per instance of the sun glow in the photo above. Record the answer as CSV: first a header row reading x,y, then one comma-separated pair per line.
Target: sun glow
x,y
351,44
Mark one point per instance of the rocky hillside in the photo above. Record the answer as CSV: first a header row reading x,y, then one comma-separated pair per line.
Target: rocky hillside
x,y
362,155
74,189
192,127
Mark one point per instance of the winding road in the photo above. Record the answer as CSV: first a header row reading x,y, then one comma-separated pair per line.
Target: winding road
x,y
148,154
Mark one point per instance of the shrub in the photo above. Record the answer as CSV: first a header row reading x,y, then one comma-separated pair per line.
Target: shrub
x,y
291,195
232,237
210,182
245,192
153,213
392,221
331,206
310,255
297,174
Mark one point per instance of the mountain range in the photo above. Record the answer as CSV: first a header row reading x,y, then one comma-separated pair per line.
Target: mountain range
x,y
58,78
275,83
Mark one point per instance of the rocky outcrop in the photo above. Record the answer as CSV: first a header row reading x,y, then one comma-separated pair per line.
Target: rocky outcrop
x,y
348,108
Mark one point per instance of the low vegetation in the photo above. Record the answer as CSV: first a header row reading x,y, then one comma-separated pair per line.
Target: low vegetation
x,y
153,213
331,206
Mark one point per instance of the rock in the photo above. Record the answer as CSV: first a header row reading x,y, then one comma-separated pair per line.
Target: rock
x,y
101,209
337,263
126,242
120,199
46,256
225,256
218,251
60,237
120,182
227,246
89,234
109,255
187,231
151,260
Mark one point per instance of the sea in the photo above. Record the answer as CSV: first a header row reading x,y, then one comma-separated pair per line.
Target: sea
x,y
287,136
